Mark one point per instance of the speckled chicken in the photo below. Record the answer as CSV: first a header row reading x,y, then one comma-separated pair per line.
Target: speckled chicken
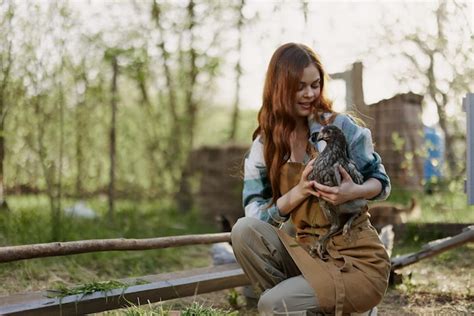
x,y
326,172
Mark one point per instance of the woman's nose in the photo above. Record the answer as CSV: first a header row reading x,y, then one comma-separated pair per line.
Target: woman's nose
x,y
308,93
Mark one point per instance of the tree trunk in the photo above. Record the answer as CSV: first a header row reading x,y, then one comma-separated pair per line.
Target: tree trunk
x,y
3,201
48,171
193,72
238,74
152,137
6,63
57,234
172,161
434,93
79,152
113,105
183,197
80,129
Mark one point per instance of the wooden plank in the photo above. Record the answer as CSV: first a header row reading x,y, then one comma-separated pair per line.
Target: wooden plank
x,y
161,288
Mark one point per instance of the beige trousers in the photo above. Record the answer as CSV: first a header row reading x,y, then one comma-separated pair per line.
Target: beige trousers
x,y
274,275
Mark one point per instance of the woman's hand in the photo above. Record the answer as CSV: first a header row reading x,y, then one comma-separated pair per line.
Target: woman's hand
x,y
346,191
291,199
307,187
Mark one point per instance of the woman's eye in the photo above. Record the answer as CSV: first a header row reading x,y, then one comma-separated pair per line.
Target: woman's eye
x,y
315,86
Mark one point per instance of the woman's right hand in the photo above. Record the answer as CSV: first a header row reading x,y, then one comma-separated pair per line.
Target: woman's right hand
x,y
291,199
307,187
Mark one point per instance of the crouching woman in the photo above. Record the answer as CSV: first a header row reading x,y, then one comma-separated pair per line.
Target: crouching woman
x,y
353,276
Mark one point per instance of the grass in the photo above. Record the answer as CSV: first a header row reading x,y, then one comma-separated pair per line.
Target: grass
x,y
28,223
62,290
194,309
447,204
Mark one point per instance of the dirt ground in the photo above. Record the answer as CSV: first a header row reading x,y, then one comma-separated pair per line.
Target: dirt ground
x,y
438,286
441,285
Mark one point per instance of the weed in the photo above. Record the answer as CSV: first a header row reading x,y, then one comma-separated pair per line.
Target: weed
x,y
149,310
233,299
408,285
199,309
85,289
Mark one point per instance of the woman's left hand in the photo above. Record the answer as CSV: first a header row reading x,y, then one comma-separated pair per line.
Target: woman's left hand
x,y
347,191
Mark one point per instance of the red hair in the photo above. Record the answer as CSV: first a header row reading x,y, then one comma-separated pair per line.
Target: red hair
x,y
276,118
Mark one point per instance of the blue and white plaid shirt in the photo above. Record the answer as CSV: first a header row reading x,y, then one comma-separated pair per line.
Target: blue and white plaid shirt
x,y
257,191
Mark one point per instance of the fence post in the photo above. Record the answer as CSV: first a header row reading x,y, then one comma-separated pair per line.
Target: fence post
x,y
468,106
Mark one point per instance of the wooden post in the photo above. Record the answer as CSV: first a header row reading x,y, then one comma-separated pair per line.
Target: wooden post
x,y
468,105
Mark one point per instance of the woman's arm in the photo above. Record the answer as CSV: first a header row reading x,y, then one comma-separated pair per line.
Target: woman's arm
x,y
348,190
257,192
376,184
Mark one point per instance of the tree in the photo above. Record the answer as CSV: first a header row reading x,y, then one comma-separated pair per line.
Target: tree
x,y
6,62
111,56
238,71
439,66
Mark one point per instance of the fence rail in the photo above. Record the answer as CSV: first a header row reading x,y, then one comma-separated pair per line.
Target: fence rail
x,y
15,253
163,286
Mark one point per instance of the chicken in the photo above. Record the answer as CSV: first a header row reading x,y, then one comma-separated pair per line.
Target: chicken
x,y
326,171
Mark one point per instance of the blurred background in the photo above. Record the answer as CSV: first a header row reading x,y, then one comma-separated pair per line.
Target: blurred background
x,y
132,118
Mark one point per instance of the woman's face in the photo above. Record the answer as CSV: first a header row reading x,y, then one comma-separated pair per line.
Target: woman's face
x,y
308,90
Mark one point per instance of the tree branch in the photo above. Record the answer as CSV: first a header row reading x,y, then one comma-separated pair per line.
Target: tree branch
x,y
15,253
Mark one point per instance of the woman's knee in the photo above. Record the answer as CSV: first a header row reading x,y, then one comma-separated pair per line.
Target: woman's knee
x,y
271,302
293,296
244,230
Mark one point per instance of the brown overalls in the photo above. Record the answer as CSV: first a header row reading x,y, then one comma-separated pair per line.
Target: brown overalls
x,y
354,276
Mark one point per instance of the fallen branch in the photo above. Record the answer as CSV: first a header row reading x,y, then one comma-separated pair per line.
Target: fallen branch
x,y
434,247
14,253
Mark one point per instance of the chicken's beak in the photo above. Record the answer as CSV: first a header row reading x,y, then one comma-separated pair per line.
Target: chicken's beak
x,y
320,137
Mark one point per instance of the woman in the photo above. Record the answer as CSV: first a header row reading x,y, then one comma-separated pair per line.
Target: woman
x,y
353,277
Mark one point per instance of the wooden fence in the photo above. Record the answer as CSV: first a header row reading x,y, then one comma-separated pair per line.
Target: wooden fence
x,y
156,288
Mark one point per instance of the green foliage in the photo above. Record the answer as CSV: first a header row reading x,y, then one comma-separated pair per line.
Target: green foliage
x,y
58,122
214,127
446,202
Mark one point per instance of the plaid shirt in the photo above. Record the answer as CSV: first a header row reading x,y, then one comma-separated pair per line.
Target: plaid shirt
x,y
257,191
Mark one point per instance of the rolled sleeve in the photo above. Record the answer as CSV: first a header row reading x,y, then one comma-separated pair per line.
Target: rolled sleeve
x,y
361,151
257,192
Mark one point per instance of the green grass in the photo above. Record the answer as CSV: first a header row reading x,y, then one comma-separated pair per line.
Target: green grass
x,y
28,223
62,290
196,309
447,204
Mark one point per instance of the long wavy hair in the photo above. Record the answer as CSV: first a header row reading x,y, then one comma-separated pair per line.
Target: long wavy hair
x,y
277,116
